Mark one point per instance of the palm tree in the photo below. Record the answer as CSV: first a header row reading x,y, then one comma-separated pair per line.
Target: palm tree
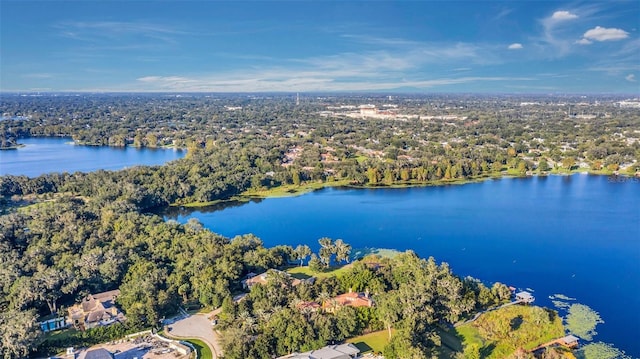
x,y
323,297
295,303
247,322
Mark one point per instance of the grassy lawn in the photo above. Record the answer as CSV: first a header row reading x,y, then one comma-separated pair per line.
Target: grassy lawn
x,y
499,333
305,272
380,252
292,190
361,159
374,342
201,347
470,335
203,350
60,334
210,203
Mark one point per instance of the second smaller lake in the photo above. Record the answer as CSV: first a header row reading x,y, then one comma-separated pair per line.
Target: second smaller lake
x,y
46,155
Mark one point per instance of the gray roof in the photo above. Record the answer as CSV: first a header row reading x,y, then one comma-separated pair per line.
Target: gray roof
x,y
96,354
524,295
347,349
570,338
342,351
329,353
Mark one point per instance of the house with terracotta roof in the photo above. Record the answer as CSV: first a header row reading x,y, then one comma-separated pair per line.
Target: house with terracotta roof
x,y
310,306
96,310
351,299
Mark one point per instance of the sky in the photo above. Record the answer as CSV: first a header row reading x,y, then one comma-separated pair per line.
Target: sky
x,y
321,46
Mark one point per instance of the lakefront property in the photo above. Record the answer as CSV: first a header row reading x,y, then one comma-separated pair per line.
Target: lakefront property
x,y
96,310
322,196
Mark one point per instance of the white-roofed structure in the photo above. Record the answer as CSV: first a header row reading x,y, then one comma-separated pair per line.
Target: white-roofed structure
x,y
525,297
342,351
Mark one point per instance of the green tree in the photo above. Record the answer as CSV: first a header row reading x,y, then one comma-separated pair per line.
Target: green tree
x,y
315,264
19,333
327,249
342,250
302,251
568,162
543,165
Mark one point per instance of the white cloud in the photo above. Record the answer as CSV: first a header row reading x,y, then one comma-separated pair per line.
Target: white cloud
x,y
630,78
287,80
100,32
584,41
38,76
502,14
599,33
515,46
556,33
563,15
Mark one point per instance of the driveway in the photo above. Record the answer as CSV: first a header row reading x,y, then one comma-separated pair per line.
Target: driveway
x,y
199,327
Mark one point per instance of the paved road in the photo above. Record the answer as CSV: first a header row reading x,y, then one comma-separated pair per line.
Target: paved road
x,y
199,327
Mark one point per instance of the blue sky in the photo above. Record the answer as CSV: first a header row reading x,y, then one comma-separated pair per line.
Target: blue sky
x,y
298,46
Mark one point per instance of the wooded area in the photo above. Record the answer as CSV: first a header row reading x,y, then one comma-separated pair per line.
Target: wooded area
x,y
91,232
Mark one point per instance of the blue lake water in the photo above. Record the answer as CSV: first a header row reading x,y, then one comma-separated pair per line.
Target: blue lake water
x,y
574,235
45,155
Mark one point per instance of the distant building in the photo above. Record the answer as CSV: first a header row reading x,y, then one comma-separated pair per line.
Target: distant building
x,y
96,310
366,110
629,104
342,351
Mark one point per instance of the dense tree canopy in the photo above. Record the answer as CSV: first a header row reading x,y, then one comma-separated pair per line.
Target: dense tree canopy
x,y
90,232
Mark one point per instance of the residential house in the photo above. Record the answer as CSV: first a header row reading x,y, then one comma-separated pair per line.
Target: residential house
x,y
95,310
309,306
351,299
342,351
100,353
253,279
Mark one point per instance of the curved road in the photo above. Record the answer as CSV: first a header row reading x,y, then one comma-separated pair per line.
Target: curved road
x,y
199,327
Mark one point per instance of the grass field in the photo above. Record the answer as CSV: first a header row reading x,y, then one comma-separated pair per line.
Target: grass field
x,y
372,342
499,333
203,350
292,190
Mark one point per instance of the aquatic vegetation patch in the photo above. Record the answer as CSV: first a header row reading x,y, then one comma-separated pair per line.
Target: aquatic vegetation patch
x,y
561,297
600,350
582,321
560,304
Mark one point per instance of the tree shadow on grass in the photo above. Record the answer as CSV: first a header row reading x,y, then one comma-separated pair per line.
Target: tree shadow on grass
x,y
516,322
487,350
451,343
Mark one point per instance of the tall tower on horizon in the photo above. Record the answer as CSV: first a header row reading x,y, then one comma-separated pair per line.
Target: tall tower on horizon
x,y
297,99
